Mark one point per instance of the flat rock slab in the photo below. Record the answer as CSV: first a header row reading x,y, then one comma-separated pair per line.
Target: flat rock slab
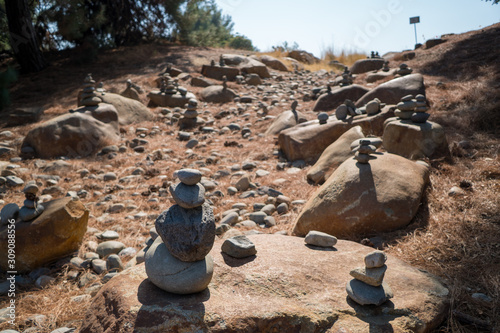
x,y
286,287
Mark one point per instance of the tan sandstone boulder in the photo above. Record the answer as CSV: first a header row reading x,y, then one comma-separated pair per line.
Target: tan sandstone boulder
x,y
273,63
74,134
330,101
367,65
56,233
285,120
360,199
286,287
416,141
334,155
308,140
129,110
392,91
247,65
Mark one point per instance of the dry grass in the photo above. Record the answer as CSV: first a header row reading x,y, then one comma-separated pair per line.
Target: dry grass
x,y
455,238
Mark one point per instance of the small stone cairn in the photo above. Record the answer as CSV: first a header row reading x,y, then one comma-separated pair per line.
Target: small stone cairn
x,y
403,70
406,107
413,109
190,117
420,115
179,260
345,109
368,286
31,209
88,97
374,55
323,118
363,148
386,68
347,79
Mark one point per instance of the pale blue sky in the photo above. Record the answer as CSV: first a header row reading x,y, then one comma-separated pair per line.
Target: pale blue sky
x,y
362,25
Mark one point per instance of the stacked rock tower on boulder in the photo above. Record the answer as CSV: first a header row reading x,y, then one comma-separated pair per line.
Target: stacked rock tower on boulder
x,y
368,286
179,261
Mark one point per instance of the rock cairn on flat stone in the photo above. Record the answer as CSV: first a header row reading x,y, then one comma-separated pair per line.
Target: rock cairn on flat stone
x,y
31,209
373,107
190,117
374,55
346,109
323,118
386,68
179,260
363,148
406,107
132,91
403,70
346,78
88,97
368,286
420,115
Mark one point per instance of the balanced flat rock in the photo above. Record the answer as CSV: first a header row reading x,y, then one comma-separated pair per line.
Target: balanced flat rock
x,y
286,287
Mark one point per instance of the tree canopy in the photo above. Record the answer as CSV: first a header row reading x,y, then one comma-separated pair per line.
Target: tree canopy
x,y
61,24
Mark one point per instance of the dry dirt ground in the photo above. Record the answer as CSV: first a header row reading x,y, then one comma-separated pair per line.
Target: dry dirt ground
x,y
455,238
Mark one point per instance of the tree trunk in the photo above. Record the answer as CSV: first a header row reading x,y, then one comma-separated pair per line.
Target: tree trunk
x,y
22,36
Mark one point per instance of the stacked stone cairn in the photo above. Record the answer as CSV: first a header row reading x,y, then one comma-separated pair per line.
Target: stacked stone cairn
x,y
345,109
179,261
323,118
374,55
403,70
406,107
346,78
363,148
368,286
386,68
420,115
88,96
373,107
190,117
31,209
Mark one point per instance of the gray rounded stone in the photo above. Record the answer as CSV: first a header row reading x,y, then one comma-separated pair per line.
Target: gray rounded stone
x,y
341,112
375,259
365,294
8,212
188,234
27,214
176,276
188,196
372,107
238,247
319,238
189,176
114,263
257,217
110,247
230,219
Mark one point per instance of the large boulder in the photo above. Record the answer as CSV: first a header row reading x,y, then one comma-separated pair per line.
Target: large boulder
x,y
217,72
334,155
391,92
415,141
359,199
247,65
285,120
217,94
286,287
273,63
56,233
81,133
380,75
129,110
303,57
366,65
330,101
308,140
157,98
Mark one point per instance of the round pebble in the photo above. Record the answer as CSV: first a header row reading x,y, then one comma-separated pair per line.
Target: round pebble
x,y
189,176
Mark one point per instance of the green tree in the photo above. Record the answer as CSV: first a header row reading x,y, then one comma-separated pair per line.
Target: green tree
x,y
241,43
